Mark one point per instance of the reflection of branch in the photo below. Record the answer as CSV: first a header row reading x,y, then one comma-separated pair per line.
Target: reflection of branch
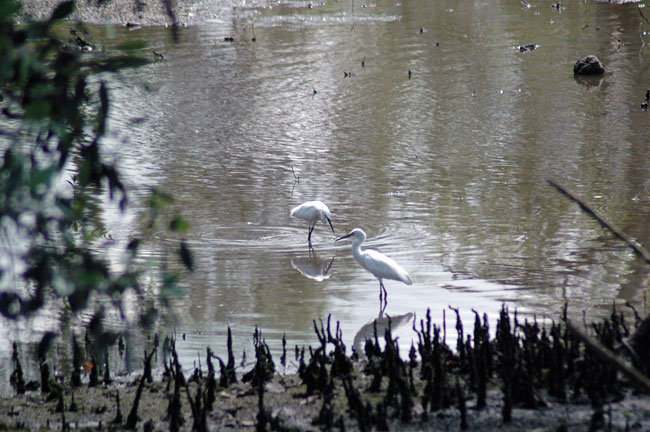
x,y
296,179
641,13
641,34
609,33
606,355
172,16
636,247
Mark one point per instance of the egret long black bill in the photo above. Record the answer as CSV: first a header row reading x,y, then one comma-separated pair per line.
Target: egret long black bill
x,y
328,220
344,237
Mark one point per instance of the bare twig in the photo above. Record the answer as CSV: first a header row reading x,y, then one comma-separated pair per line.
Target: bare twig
x,y
606,355
636,247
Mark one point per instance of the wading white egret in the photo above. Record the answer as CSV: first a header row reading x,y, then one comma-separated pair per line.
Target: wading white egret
x,y
380,265
312,212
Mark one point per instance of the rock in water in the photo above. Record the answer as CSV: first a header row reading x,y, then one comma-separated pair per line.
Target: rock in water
x,y
589,65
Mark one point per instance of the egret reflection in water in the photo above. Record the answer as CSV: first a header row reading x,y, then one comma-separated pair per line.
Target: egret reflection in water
x,y
313,267
382,322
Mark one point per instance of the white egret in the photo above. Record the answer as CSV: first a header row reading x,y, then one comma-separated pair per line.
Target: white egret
x,y
312,212
380,265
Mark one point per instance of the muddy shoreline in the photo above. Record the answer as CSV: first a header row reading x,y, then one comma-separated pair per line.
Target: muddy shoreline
x,y
130,12
528,377
236,408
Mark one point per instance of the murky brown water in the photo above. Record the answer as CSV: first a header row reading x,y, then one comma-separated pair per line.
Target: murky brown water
x,y
445,171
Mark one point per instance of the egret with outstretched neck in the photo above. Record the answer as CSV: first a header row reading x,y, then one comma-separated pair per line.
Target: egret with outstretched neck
x,y
380,265
312,212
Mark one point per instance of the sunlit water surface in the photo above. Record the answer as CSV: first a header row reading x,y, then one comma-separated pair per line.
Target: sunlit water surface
x,y
444,169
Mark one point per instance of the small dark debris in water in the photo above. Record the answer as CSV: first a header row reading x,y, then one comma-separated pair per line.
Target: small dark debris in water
x,y
644,105
526,48
588,65
586,26
557,6
132,25
348,74
422,30
157,56
437,44
363,62
315,91
229,39
410,73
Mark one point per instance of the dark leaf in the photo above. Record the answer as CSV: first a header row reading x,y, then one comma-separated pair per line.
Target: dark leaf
x,y
186,256
62,10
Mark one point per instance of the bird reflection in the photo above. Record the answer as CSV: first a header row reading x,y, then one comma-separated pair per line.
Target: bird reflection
x,y
368,331
313,267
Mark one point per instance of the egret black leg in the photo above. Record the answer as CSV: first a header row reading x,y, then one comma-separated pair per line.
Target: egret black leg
x,y
383,296
382,308
311,228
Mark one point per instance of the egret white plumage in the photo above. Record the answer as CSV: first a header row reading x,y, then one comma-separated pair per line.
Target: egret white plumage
x,y
312,212
380,265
